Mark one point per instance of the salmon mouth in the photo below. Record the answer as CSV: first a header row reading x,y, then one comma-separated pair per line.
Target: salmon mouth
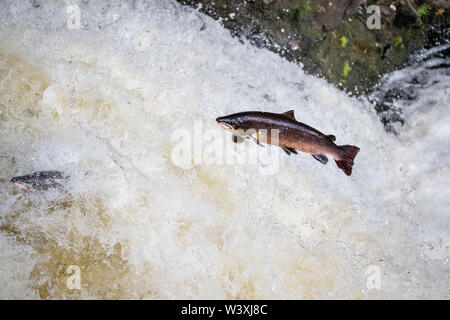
x,y
225,125
22,185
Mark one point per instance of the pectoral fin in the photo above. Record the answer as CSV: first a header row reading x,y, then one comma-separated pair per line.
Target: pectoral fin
x,y
237,139
321,157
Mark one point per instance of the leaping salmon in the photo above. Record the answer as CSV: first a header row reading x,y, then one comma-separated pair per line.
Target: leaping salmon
x,y
41,180
293,136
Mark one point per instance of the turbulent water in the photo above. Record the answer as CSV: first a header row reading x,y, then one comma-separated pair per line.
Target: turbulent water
x,y
102,103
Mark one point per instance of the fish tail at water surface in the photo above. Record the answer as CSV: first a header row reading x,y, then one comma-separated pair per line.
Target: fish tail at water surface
x,y
346,162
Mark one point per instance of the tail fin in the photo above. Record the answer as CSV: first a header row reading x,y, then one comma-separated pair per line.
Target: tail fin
x,y
346,164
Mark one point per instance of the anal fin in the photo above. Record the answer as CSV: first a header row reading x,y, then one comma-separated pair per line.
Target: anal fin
x,y
321,157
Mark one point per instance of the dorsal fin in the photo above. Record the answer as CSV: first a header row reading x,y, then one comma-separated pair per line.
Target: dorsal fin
x,y
331,137
289,114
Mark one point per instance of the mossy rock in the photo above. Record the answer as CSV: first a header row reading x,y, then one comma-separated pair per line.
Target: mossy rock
x,y
331,38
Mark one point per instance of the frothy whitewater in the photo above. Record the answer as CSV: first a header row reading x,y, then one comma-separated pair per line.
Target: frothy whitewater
x,y
102,102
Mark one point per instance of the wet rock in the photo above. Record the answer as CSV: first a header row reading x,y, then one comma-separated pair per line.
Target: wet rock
x,y
403,89
406,15
331,13
331,38
441,3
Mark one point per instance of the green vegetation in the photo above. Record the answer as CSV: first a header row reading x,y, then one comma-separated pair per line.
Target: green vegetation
x,y
343,41
346,70
423,10
398,41
306,8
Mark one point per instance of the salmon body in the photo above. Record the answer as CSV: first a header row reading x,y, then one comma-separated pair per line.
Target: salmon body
x,y
40,180
292,136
